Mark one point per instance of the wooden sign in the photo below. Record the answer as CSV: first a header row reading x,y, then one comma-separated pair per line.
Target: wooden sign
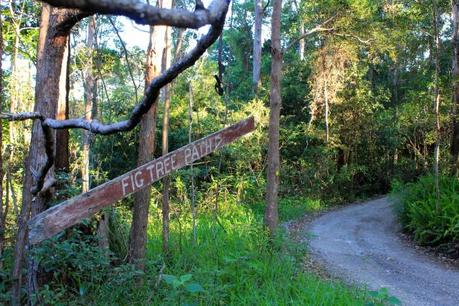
x,y
72,211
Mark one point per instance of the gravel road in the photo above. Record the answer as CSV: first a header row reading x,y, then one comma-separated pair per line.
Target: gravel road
x,y
361,245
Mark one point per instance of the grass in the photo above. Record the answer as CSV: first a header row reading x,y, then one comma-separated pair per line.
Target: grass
x,y
232,263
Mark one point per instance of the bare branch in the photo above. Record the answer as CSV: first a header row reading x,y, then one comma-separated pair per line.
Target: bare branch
x,y
318,28
359,39
309,33
217,10
151,94
21,116
143,13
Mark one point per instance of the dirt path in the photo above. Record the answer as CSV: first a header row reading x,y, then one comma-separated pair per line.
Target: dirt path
x,y
360,243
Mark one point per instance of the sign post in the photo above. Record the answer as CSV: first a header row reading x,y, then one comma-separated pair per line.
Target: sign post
x,y
72,211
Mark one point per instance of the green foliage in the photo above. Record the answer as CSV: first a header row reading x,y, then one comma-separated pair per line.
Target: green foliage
x,y
232,263
382,297
416,206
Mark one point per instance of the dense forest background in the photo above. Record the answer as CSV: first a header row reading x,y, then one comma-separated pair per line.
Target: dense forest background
x,y
367,100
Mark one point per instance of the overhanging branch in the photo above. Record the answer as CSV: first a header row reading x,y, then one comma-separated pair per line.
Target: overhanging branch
x,y
143,13
151,94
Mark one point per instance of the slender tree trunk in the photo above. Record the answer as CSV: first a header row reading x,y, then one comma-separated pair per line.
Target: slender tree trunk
x,y
2,211
89,90
436,24
51,50
301,46
301,43
165,141
273,169
395,101
190,139
257,45
14,76
455,77
138,234
327,113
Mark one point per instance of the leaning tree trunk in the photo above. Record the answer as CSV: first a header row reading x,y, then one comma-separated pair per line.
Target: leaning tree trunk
x,y
138,234
52,47
257,45
455,76
273,171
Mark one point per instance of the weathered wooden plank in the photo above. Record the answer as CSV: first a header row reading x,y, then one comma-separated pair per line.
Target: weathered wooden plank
x,y
72,211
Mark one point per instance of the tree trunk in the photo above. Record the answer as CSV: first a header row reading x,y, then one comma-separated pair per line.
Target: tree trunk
x,y
2,212
165,141
455,77
51,50
190,139
302,42
14,74
327,113
138,234
89,97
273,171
257,45
62,136
436,25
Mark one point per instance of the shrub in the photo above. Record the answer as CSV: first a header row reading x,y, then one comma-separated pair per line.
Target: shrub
x,y
416,207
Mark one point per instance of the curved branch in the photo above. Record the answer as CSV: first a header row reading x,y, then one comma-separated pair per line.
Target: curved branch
x,y
148,101
143,13
151,93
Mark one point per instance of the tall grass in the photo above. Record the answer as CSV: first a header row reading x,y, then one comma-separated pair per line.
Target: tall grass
x,y
231,263
418,214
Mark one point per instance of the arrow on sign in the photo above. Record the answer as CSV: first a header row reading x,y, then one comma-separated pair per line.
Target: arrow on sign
x,y
72,211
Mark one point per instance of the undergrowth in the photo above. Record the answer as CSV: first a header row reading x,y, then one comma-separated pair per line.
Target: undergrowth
x,y
416,206
232,262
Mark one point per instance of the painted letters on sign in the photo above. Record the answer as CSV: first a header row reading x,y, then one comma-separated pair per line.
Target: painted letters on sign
x,y
164,166
72,211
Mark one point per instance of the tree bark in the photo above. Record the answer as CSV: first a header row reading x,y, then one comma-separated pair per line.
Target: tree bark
x,y
455,76
437,101
89,97
257,45
2,211
14,96
166,62
327,113
62,161
138,234
273,168
302,42
51,50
